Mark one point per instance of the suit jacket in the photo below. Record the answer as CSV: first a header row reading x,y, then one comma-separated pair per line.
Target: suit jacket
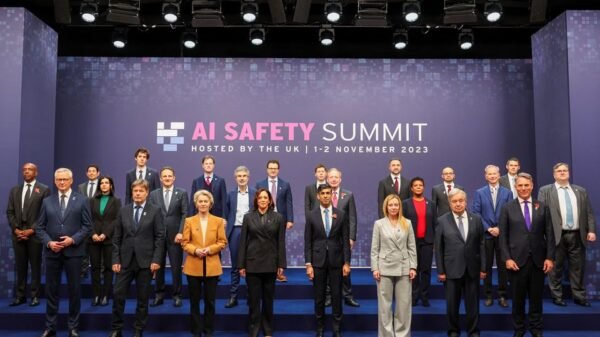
x,y
393,254
146,243
517,243
105,223
284,202
483,206
152,177
454,256
82,188
231,208
310,197
439,196
504,182
318,247
409,212
587,222
215,240
76,223
262,246
174,217
14,212
347,205
217,188
386,187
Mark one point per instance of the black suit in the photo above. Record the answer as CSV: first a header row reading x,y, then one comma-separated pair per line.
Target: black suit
x,y
439,196
135,249
327,255
27,252
386,187
504,182
421,283
217,188
529,249
102,251
310,198
462,262
152,177
261,253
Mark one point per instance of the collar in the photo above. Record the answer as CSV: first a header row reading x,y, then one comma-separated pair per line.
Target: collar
x,y
32,183
530,200
559,186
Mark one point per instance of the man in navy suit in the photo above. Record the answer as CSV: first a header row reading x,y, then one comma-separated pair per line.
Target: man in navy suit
x,y
460,258
527,247
239,202
327,256
24,203
141,171
282,195
64,227
138,244
89,189
487,203
173,203
214,184
439,192
393,183
310,192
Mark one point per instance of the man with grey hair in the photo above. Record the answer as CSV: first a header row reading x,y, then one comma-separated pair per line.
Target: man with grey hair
x,y
237,205
63,227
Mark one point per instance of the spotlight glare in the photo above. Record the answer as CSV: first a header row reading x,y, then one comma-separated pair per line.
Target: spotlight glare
x,y
170,12
466,40
400,40
411,11
88,11
249,12
493,11
190,39
119,38
327,37
333,11
257,36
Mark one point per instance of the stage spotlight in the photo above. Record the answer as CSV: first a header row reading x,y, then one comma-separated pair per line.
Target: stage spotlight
x,y
333,11
249,11
119,37
411,10
400,39
326,36
189,39
492,11
257,36
88,11
170,11
466,39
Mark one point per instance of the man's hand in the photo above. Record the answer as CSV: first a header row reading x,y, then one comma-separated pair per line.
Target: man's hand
x,y
310,272
242,272
548,265
352,244
482,275
66,241
289,225
178,238
116,268
55,246
591,237
512,265
346,270
154,267
494,231
442,277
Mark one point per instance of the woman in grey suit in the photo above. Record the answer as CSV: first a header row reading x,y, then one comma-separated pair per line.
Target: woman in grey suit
x,y
394,265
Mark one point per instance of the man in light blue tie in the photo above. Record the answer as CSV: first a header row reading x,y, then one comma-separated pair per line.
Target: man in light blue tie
x,y
574,225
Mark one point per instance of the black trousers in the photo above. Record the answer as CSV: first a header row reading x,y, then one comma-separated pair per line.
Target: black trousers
x,y
142,277
422,280
54,268
261,292
492,248
570,249
28,253
455,289
199,286
332,276
527,282
175,253
102,275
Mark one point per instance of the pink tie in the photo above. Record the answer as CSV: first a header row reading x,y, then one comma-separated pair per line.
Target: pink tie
x,y
396,186
207,181
335,199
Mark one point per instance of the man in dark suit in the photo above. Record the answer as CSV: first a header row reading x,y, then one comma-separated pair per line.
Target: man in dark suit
x,y
173,203
327,256
282,195
24,203
310,192
574,224
64,227
89,189
141,171
138,244
239,202
214,184
439,192
394,183
487,203
527,247
460,258
508,180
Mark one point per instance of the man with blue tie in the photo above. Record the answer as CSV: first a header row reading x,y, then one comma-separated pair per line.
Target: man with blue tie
x,y
281,191
487,203
141,171
574,225
238,204
214,184
64,227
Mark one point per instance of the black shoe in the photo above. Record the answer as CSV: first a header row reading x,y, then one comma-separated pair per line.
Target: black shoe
x,y
503,302
138,333
177,302
559,302
488,302
583,303
48,333
426,303
351,302
328,301
233,302
17,301
104,301
157,301
95,301
34,302
115,333
74,333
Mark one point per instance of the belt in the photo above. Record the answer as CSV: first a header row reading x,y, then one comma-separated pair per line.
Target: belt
x,y
570,230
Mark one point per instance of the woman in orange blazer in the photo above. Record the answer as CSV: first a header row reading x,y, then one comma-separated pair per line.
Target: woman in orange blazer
x,y
203,239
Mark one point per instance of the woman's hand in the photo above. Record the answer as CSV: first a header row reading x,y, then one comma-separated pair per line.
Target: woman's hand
x,y
377,275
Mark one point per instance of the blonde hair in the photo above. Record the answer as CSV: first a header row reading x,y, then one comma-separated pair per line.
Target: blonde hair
x,y
401,218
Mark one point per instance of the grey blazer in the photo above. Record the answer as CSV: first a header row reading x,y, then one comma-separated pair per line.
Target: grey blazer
x,y
391,254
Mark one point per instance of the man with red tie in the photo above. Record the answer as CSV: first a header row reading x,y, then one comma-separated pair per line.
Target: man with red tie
x,y
214,184
439,192
393,183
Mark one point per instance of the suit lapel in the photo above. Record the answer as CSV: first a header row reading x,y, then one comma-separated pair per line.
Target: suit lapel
x,y
455,226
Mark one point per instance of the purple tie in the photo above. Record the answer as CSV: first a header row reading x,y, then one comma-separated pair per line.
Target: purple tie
x,y
527,216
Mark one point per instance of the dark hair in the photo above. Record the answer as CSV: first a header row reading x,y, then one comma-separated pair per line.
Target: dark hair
x,y
273,161
258,192
167,168
112,186
323,187
142,150
513,159
317,167
141,182
417,179
93,166
208,156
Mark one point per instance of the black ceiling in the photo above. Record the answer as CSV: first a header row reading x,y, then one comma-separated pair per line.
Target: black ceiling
x,y
428,37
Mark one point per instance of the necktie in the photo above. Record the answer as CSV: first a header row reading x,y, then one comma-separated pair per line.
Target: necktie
x,y
207,180
136,217
327,221
449,188
274,192
167,199
527,215
461,228
396,185
63,204
494,196
141,175
90,190
27,196
335,199
569,206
